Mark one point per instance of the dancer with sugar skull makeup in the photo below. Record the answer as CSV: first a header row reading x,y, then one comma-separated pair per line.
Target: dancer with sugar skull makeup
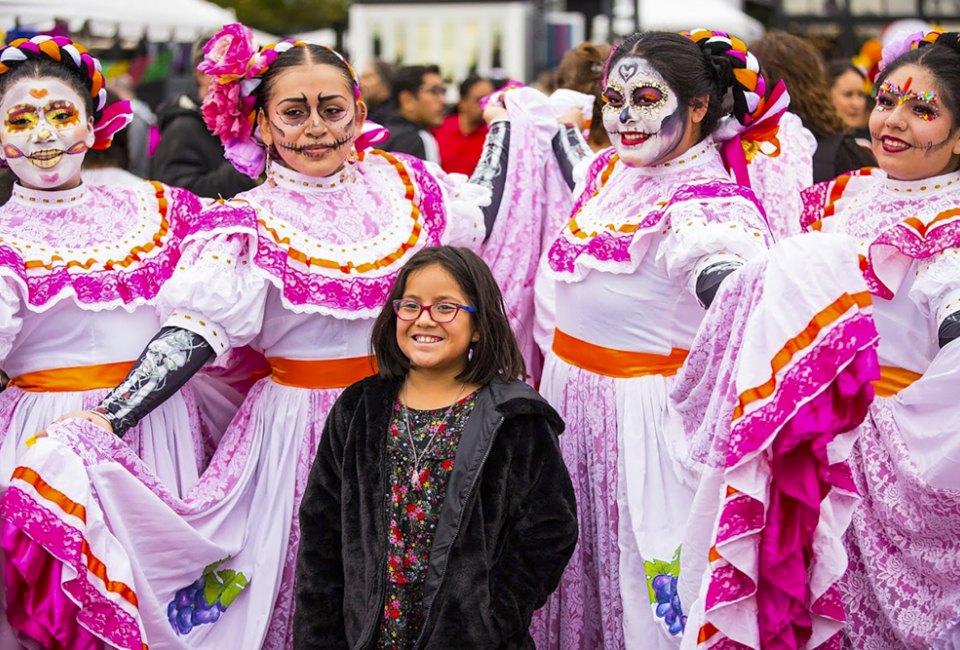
x,y
298,268
80,266
657,225
80,270
902,586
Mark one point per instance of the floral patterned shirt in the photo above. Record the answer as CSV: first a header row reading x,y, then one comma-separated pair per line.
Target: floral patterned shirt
x,y
413,504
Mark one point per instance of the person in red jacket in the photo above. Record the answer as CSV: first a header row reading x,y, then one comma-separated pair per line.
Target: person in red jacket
x,y
461,136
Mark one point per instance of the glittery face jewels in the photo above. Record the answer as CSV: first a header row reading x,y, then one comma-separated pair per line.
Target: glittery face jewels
x,y
890,95
911,131
640,112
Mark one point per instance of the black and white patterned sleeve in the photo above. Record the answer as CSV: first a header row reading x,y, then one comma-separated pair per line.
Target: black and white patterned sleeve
x,y
172,357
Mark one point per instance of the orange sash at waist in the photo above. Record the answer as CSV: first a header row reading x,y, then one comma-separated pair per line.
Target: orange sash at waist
x,y
59,380
323,373
893,380
615,363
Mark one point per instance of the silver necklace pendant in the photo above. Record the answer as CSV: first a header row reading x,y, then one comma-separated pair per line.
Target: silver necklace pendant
x,y
416,474
415,483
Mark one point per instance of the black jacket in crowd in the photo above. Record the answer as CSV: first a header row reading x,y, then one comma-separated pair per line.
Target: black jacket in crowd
x,y
405,137
189,156
506,530
838,154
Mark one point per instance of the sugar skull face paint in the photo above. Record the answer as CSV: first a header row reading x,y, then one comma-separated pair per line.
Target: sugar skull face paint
x,y
641,113
312,119
924,102
45,133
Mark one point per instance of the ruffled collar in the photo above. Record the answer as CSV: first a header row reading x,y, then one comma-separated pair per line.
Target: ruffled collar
x,y
53,199
696,156
924,187
294,180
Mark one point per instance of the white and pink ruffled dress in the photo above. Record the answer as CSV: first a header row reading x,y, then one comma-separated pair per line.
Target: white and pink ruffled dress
x,y
902,588
297,268
80,271
624,272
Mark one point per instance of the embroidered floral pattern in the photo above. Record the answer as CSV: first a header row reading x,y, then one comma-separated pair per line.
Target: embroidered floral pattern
x,y
662,578
126,243
202,602
413,509
342,267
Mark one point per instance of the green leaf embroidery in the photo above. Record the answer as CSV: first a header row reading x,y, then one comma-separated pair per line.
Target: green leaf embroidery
x,y
656,568
223,585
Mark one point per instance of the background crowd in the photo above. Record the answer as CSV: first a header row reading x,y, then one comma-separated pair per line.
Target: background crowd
x,y
431,118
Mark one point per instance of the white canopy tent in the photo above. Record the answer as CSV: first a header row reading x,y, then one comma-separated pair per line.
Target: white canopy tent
x,y
326,37
719,15
169,20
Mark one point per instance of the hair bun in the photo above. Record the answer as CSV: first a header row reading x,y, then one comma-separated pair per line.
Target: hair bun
x,y
737,70
946,39
723,67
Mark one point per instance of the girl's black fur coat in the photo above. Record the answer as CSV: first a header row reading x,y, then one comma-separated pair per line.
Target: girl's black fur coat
x,y
506,530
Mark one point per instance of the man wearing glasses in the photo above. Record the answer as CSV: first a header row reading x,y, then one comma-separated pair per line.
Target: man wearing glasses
x,y
420,97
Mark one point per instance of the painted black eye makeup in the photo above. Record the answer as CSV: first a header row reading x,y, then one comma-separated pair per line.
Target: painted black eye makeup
x,y
646,96
296,111
613,97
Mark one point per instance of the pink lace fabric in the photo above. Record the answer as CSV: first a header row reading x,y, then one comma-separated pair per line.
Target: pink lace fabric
x,y
334,246
132,445
101,246
894,221
775,554
662,221
639,198
901,589
586,610
535,196
778,180
213,508
31,576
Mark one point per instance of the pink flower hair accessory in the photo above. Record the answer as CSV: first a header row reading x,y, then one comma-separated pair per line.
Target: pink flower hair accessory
x,y
899,45
229,109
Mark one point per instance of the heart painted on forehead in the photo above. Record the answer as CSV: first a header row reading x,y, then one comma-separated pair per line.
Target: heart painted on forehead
x,y
39,93
627,70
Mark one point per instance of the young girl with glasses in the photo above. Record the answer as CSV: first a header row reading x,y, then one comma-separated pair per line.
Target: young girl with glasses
x,y
440,478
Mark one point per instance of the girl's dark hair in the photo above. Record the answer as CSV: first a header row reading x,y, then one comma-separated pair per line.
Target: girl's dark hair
x,y
581,69
42,67
942,60
796,62
495,354
296,56
691,72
